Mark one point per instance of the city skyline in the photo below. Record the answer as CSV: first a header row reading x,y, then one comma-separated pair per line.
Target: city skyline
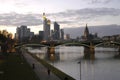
x,y
72,13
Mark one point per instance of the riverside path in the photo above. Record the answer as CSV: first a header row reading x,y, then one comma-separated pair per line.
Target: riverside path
x,y
39,69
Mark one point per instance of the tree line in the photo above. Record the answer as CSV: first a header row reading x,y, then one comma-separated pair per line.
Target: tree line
x,y
6,41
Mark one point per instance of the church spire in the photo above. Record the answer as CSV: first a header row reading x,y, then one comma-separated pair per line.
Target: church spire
x,y
86,32
86,29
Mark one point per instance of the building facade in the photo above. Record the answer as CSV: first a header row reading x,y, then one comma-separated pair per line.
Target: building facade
x,y
41,34
23,33
56,31
62,34
46,28
88,36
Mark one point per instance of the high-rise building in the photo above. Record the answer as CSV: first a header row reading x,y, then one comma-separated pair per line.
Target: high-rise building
x,y
22,33
28,32
62,34
56,31
46,28
41,34
17,34
52,35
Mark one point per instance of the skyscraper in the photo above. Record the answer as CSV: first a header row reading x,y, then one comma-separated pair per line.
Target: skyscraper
x,y
62,34
17,34
56,31
41,34
22,33
23,30
46,28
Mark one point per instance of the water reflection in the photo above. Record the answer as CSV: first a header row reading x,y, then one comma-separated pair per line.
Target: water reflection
x,y
52,57
104,67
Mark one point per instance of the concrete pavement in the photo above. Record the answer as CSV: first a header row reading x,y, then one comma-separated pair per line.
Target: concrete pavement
x,y
40,70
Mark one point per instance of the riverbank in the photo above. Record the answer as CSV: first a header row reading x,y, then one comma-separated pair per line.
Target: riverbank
x,y
15,67
56,71
40,70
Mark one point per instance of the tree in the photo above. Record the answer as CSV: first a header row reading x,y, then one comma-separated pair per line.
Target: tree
x,y
6,41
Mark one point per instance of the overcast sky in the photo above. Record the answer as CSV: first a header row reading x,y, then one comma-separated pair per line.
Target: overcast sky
x,y
68,13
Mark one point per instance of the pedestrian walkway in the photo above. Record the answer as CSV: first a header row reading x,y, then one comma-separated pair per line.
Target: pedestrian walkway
x,y
40,70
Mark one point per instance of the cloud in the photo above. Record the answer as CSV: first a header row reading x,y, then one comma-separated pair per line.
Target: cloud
x,y
98,1
20,19
70,17
86,14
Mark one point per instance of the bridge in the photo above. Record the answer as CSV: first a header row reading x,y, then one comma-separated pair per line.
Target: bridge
x,y
89,46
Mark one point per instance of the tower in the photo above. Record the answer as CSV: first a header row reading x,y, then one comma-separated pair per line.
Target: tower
x,y
46,28
56,31
86,33
22,33
62,34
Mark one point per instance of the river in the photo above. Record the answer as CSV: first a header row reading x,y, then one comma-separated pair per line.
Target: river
x,y
67,59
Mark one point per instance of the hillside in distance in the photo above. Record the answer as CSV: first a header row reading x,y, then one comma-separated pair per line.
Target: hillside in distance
x,y
103,30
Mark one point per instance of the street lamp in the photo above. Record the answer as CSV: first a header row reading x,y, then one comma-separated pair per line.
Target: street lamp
x,y
80,69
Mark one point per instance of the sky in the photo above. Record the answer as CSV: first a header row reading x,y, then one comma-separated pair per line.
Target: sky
x,y
68,13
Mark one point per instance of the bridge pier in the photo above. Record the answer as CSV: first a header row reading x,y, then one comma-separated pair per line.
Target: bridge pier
x,y
51,50
51,54
118,55
89,53
119,50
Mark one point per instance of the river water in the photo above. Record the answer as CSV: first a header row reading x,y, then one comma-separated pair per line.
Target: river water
x,y
67,59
